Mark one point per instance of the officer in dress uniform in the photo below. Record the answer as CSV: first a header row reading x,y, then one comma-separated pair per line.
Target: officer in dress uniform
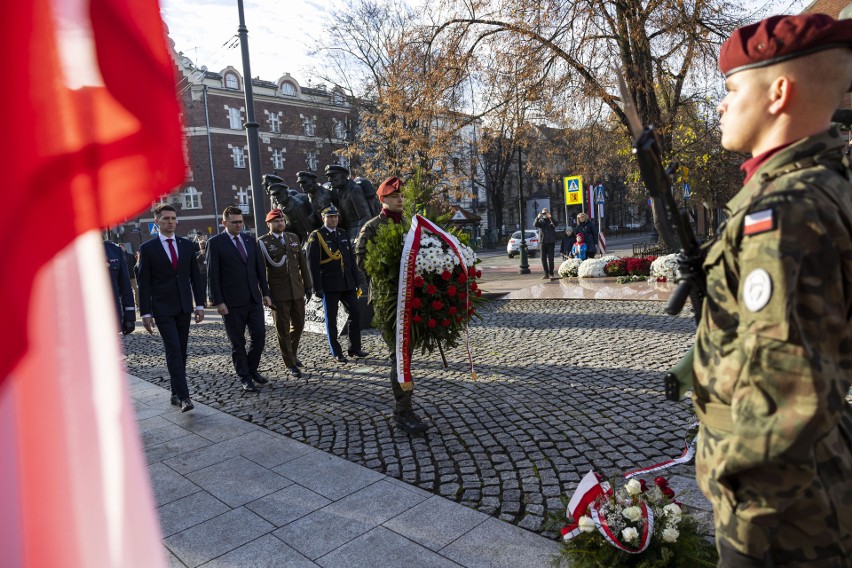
x,y
773,352
336,279
289,286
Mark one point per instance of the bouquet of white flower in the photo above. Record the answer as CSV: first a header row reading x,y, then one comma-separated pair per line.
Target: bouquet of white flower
x,y
664,267
633,525
569,267
592,268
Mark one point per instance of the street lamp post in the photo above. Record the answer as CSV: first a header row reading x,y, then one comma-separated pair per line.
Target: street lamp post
x,y
251,126
524,268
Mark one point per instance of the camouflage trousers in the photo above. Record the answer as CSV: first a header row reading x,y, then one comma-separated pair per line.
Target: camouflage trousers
x,y
781,514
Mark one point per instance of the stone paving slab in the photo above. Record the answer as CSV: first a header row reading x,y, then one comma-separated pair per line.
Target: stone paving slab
x,y
222,504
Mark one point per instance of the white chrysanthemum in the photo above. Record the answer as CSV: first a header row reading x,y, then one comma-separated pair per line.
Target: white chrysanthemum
x,y
592,268
665,267
569,267
609,257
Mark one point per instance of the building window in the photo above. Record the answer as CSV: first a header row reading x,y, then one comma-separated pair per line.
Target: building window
x,y
243,199
191,198
311,161
288,89
339,129
239,156
235,118
343,161
274,122
231,81
278,159
309,123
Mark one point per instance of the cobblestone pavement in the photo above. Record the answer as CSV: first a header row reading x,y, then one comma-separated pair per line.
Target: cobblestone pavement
x,y
564,387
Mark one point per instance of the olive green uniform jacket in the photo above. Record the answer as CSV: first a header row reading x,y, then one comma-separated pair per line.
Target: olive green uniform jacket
x,y
774,362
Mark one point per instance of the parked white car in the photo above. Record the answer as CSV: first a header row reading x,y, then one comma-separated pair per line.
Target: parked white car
x,y
514,245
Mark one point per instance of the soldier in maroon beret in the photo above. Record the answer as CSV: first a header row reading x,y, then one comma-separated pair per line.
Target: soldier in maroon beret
x,y
773,352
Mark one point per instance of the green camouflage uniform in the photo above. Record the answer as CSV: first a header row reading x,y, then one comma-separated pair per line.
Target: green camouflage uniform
x,y
774,363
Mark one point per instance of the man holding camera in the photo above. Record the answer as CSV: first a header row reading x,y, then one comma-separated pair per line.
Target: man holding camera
x,y
547,239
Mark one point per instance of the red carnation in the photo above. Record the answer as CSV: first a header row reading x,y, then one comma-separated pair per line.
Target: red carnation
x,y
471,271
479,274
416,303
446,275
445,322
418,281
458,320
453,310
643,485
661,482
478,293
436,305
668,492
431,322
462,295
451,291
462,277
470,311
431,289
473,286
417,319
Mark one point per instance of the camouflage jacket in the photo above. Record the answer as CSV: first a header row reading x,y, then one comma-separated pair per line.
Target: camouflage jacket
x,y
774,355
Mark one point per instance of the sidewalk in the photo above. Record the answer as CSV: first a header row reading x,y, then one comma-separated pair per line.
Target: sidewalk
x,y
230,493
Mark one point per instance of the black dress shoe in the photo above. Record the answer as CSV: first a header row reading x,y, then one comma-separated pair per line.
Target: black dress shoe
x,y
186,404
294,370
248,386
175,401
298,363
341,358
410,422
260,379
358,353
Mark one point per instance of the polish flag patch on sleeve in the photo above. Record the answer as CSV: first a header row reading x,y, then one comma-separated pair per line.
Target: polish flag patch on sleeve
x,y
759,222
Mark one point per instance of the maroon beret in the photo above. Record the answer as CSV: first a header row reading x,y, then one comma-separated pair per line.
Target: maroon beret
x,y
780,38
275,214
389,186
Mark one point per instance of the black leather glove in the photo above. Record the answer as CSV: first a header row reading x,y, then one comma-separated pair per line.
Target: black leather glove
x,y
129,323
308,293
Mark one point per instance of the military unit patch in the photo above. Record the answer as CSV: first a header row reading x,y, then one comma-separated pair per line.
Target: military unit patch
x,y
757,289
759,222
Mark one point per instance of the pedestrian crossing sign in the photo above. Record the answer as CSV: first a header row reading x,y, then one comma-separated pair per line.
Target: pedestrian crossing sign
x,y
573,190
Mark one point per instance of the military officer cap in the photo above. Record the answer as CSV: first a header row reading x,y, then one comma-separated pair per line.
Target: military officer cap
x,y
305,175
275,214
781,38
336,169
330,210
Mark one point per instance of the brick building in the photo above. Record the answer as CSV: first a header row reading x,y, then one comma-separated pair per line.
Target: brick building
x,y
300,129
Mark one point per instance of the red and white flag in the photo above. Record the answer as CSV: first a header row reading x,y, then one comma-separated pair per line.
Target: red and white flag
x,y
97,138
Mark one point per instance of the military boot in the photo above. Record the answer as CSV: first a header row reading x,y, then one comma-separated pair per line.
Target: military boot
x,y
408,421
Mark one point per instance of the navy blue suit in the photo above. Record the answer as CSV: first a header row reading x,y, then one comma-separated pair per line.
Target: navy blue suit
x,y
171,297
119,277
240,285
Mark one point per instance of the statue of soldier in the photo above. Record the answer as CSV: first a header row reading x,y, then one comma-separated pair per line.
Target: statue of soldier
x,y
370,194
349,198
319,196
294,205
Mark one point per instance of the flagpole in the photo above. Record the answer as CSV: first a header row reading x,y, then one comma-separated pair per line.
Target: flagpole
x,y
251,126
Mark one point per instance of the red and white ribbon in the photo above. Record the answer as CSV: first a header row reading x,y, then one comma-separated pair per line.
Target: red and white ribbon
x,y
685,457
406,293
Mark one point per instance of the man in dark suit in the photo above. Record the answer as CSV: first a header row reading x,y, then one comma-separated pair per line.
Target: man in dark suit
x,y
331,259
169,281
238,288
